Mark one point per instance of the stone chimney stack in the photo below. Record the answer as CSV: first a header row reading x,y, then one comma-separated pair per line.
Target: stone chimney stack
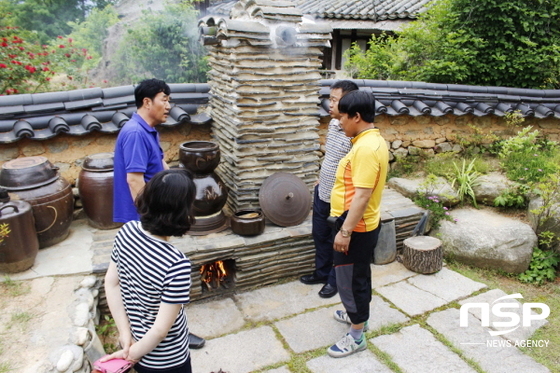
x,y
265,69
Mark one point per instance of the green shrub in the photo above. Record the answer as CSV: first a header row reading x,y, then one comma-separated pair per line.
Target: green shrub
x,y
526,158
547,214
92,32
426,199
441,165
486,42
163,45
515,197
404,166
466,178
542,267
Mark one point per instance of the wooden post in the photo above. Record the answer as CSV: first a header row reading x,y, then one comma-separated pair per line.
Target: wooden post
x,y
422,254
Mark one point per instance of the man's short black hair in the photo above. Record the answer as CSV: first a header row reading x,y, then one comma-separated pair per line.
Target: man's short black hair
x,y
345,85
165,203
358,102
149,88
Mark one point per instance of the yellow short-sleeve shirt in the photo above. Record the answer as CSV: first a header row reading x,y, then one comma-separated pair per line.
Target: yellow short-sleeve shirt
x,y
365,166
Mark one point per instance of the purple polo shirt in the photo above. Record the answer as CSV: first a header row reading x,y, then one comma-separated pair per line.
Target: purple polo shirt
x,y
137,150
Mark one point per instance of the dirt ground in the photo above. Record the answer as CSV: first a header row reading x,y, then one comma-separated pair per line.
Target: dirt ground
x,y
21,314
31,322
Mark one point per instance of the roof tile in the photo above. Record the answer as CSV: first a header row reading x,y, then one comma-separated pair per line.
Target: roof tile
x,y
21,118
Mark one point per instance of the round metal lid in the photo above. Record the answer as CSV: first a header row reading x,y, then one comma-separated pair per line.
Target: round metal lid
x,y
99,162
285,199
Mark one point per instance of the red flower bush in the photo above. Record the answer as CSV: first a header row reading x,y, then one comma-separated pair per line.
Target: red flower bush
x,y
23,64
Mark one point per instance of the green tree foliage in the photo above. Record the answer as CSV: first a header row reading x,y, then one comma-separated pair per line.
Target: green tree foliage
x,y
163,45
485,42
48,18
91,33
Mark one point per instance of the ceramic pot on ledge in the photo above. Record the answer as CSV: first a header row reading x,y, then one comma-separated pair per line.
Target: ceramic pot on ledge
x,y
202,158
248,222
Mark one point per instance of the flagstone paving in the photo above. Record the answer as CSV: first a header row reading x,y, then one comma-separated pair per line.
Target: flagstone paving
x,y
286,328
420,312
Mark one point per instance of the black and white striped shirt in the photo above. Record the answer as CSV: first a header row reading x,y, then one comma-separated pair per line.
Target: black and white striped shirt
x,y
152,271
336,147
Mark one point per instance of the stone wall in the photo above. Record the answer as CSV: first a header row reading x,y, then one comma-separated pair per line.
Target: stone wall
x,y
406,135
68,152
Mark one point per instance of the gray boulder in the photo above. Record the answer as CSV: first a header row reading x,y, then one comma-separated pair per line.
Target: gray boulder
x,y
441,188
490,186
487,240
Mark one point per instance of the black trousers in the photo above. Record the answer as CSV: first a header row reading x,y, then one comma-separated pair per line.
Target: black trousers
x,y
353,274
323,239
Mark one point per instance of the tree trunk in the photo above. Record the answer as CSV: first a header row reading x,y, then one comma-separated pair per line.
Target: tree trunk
x,y
422,254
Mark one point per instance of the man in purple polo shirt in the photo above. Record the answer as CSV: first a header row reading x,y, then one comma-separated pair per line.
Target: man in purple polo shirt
x,y
138,154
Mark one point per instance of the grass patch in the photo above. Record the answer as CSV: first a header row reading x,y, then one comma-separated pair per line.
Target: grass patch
x,y
384,358
298,363
548,294
5,368
14,288
442,164
20,319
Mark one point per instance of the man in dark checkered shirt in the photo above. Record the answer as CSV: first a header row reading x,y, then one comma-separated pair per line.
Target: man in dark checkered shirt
x,y
337,146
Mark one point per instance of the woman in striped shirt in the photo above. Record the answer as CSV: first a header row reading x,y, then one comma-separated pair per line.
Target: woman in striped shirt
x,y
148,280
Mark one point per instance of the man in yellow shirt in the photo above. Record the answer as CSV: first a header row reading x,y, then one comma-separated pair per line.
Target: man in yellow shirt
x,y
356,197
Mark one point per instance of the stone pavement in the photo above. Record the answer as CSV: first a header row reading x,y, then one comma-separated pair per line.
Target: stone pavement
x,y
414,324
414,327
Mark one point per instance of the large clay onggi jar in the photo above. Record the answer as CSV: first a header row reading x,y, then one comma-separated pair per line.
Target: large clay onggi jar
x,y
201,158
36,180
18,239
95,187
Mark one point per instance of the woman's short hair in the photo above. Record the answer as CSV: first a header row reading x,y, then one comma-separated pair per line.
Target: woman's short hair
x,y
165,204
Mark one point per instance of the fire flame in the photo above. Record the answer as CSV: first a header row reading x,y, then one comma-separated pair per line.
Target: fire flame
x,y
213,273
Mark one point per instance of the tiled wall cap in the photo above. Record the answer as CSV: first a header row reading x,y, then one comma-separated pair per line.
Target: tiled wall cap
x,y
114,92
442,106
58,125
50,97
525,110
179,114
90,123
119,119
85,94
400,107
544,111
14,100
23,129
466,108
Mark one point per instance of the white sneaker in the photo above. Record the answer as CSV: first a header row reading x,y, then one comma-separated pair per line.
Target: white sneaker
x,y
347,346
342,317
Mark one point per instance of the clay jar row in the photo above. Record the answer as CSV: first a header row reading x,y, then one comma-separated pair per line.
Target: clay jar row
x,y
95,188
37,181
18,238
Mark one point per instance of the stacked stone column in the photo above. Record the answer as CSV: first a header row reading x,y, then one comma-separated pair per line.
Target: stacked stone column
x,y
265,72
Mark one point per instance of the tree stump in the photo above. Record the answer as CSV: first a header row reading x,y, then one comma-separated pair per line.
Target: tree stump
x,y
422,254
